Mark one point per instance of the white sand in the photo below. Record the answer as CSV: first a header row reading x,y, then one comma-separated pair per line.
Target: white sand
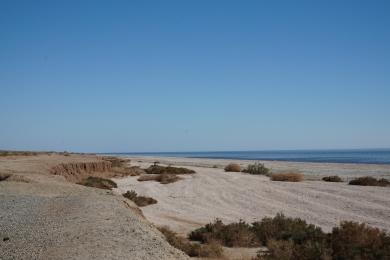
x,y
211,193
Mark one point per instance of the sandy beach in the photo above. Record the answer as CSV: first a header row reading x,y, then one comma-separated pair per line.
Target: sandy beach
x,y
213,193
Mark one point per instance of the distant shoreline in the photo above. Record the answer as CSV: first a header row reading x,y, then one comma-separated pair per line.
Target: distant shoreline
x,y
355,156
312,171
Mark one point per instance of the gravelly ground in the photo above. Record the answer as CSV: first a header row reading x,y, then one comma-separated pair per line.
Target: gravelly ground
x,y
52,219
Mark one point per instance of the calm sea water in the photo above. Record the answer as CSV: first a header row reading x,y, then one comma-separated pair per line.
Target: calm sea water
x,y
379,156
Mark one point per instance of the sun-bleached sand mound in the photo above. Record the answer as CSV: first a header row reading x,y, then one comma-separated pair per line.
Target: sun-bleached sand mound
x,y
212,193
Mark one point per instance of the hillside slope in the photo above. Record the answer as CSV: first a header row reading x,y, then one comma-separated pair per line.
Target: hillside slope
x,y
45,217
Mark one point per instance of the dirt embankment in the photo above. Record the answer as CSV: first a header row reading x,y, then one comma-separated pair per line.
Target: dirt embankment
x,y
77,171
46,216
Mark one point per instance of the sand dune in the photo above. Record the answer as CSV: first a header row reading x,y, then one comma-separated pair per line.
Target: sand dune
x,y
212,193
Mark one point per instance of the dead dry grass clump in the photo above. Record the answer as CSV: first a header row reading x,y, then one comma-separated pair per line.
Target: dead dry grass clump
x,y
211,250
233,167
238,234
98,182
287,176
157,169
257,169
370,181
334,178
141,201
116,161
163,174
127,171
161,178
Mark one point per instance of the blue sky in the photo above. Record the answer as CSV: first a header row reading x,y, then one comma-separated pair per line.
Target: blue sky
x,y
114,76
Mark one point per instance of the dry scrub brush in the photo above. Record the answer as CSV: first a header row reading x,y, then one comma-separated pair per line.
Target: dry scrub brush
x,y
141,201
161,178
157,169
287,176
211,250
98,182
294,239
231,235
334,178
370,181
233,167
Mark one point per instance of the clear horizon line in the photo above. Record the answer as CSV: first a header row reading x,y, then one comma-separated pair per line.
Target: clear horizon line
x,y
262,150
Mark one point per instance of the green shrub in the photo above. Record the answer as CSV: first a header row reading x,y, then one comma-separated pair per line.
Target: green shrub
x,y
141,201
369,181
233,167
288,250
284,228
257,168
334,178
232,235
98,182
357,241
211,250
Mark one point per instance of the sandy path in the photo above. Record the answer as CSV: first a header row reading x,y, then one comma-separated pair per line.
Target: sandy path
x,y
212,193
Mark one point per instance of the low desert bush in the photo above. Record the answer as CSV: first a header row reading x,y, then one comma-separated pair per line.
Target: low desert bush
x,y
210,250
369,181
288,250
167,178
294,239
161,178
357,241
287,176
98,182
334,178
257,168
233,167
237,234
285,228
157,169
141,201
